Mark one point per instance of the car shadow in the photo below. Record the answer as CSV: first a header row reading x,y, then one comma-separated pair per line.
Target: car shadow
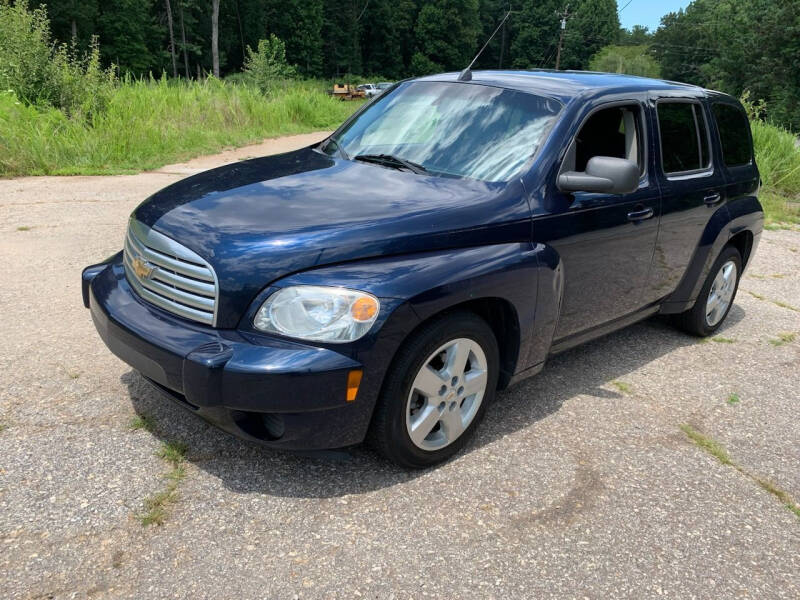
x,y
248,468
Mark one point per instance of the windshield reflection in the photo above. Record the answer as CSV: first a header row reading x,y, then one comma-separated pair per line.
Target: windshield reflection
x,y
451,129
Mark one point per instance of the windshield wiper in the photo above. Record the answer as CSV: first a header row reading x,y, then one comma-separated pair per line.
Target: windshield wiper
x,y
391,160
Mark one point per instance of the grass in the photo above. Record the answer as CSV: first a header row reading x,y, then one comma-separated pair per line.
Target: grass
x,y
23,228
173,452
3,427
723,340
623,387
786,306
781,211
733,399
779,165
719,452
775,302
157,506
780,494
783,338
707,444
149,123
142,422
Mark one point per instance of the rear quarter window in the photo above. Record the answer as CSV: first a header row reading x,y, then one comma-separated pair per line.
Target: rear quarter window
x,y
734,134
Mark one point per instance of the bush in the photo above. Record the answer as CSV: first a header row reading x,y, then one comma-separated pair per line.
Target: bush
x,y
41,73
631,60
267,66
25,52
422,65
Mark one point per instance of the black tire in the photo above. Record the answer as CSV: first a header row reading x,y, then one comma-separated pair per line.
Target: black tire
x,y
694,320
388,432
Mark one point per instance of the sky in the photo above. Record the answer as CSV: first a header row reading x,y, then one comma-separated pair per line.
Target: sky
x,y
647,12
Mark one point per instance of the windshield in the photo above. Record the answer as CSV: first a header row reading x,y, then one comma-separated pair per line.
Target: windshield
x,y
451,129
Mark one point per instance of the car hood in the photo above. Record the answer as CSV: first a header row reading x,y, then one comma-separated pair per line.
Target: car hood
x,y
258,220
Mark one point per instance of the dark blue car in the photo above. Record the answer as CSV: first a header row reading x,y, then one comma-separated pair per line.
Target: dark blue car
x,y
439,246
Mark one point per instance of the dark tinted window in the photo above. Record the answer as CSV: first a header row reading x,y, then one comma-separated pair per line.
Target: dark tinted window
x,y
733,134
684,138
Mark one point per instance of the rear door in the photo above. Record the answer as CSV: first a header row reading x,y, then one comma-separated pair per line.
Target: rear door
x,y
692,188
735,149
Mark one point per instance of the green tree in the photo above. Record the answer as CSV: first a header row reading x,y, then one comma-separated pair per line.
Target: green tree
x,y
72,19
341,36
130,37
638,35
299,23
267,66
422,65
492,13
594,24
734,45
447,32
681,44
535,32
387,30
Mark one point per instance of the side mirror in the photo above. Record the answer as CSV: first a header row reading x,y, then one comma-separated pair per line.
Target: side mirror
x,y
604,175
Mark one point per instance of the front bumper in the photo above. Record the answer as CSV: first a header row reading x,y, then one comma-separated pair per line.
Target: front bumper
x,y
272,391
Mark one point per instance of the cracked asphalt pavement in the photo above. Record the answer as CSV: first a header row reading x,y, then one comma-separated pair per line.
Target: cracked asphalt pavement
x,y
579,484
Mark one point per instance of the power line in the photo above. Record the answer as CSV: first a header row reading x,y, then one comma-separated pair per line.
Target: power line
x,y
624,7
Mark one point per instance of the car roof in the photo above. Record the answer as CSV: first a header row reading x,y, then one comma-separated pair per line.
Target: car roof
x,y
567,85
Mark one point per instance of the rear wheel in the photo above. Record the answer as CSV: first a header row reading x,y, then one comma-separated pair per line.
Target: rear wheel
x,y
436,391
716,296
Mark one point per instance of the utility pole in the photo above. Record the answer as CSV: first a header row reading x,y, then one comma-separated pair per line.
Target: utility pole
x,y
564,16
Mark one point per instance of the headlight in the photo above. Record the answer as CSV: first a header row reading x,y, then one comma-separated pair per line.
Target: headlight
x,y
318,313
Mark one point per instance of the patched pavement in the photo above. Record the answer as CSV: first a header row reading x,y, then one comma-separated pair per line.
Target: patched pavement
x,y
579,484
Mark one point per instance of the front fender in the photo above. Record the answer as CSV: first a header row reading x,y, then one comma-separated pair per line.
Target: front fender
x,y
416,287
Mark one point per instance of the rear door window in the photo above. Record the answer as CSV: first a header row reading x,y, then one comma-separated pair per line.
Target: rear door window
x,y
684,137
734,134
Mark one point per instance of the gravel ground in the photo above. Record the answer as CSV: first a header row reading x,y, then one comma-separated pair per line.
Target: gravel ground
x,y
580,483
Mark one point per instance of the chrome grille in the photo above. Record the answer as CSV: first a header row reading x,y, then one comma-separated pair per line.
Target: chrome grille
x,y
169,275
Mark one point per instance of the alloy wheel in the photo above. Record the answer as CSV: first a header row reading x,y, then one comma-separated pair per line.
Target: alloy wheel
x,y
446,394
721,293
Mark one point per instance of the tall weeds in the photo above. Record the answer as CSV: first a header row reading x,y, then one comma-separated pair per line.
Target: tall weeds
x,y
150,122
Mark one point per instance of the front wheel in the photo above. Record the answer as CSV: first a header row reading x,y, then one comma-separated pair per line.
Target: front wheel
x,y
716,296
436,391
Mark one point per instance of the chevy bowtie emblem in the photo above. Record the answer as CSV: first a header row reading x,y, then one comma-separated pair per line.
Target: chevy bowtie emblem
x,y
143,269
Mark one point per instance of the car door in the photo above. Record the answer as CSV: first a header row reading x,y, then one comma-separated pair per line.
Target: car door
x,y
605,241
692,188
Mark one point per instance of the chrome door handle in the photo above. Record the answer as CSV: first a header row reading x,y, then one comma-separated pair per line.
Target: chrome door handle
x,y
641,214
712,199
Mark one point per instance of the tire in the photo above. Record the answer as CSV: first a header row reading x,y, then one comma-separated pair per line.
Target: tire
x,y
443,400
700,320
